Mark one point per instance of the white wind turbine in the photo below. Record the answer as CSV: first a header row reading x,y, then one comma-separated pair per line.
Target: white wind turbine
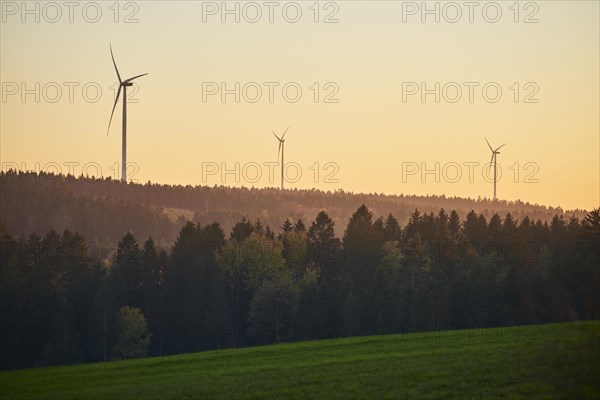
x,y
122,85
280,151
494,162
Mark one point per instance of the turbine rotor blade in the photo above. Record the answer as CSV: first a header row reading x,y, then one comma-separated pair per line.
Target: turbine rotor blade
x,y
115,64
279,150
492,159
135,77
500,147
278,138
490,146
284,132
113,110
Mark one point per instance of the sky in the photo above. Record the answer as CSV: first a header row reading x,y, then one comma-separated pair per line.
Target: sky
x,y
380,96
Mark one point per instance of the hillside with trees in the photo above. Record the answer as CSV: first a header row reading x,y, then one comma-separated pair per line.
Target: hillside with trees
x,y
103,209
254,284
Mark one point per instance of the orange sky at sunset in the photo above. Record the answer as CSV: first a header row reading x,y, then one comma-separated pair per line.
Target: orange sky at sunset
x,y
348,76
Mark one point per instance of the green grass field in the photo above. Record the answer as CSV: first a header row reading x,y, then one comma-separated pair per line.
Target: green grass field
x,y
539,361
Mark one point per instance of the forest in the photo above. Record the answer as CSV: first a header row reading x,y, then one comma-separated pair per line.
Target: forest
x,y
103,210
63,303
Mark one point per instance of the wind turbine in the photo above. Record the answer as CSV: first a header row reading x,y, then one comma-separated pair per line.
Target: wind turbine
x,y
122,85
280,151
494,161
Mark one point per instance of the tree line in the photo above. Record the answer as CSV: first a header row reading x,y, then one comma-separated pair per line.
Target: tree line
x,y
60,304
103,209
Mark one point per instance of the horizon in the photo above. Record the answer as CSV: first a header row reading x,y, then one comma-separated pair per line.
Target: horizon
x,y
324,191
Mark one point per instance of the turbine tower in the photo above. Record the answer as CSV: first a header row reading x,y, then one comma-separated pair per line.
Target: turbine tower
x,y
280,151
494,162
122,85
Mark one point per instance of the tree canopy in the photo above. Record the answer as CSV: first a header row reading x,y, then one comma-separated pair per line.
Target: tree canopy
x,y
63,302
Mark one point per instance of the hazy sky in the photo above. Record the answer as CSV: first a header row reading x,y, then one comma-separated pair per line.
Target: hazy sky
x,y
370,61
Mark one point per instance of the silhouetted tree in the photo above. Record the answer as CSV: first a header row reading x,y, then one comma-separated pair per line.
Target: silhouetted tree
x,y
242,230
299,226
287,226
392,230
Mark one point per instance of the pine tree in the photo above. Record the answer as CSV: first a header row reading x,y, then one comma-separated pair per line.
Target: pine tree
x,y
442,230
299,226
392,230
287,226
324,247
127,275
454,225
242,230
590,230
413,226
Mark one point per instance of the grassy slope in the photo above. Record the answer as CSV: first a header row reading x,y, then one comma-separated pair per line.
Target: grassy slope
x,y
548,361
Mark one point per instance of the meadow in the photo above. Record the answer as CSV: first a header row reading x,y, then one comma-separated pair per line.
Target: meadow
x,y
534,361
